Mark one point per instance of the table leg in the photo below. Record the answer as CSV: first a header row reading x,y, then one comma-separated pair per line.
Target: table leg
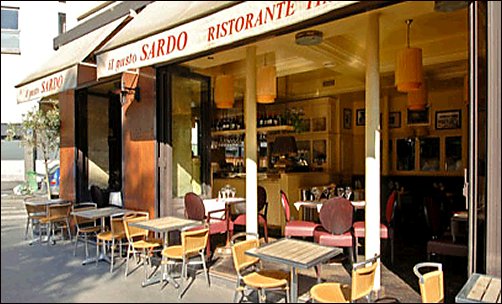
x,y
102,255
293,295
165,275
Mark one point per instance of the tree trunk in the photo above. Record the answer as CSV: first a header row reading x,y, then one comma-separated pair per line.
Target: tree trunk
x,y
47,181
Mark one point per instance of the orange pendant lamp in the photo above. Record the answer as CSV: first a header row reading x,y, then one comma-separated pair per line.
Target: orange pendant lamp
x,y
224,91
417,100
409,71
266,86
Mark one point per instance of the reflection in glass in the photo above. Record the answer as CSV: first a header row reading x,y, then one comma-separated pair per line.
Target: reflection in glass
x,y
405,154
429,154
453,148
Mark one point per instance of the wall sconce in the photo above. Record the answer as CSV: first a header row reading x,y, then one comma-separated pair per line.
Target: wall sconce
x,y
124,91
409,71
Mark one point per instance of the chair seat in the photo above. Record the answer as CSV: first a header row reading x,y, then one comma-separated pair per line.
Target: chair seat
x,y
108,236
300,228
266,279
219,226
48,219
89,229
241,219
336,240
359,230
141,244
331,293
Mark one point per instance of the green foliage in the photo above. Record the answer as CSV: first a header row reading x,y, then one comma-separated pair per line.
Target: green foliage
x,y
295,117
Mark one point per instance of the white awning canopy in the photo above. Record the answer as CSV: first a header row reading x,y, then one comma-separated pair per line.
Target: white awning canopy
x,y
60,72
165,31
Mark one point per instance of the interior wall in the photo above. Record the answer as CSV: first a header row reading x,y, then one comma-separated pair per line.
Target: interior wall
x,y
98,150
139,164
67,145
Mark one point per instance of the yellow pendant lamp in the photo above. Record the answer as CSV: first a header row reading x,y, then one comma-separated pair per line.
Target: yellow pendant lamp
x,y
417,100
224,91
409,71
266,87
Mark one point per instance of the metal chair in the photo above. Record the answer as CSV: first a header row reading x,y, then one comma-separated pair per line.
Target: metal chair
x,y
193,244
35,213
431,283
116,233
363,280
85,227
249,274
262,212
57,214
296,228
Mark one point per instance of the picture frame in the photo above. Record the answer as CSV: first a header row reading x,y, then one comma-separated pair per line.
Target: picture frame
x,y
347,118
360,117
418,117
447,120
395,120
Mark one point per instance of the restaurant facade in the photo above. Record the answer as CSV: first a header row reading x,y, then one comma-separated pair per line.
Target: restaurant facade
x,y
289,95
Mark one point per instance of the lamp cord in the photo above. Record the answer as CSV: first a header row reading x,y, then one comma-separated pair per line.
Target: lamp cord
x,y
408,22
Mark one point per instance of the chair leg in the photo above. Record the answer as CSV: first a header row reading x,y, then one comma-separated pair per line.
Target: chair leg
x,y
112,253
208,246
265,231
86,245
76,242
28,220
127,260
205,268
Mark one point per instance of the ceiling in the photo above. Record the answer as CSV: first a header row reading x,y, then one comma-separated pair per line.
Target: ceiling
x,y
443,37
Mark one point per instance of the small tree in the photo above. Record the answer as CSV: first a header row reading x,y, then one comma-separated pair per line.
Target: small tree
x,y
39,130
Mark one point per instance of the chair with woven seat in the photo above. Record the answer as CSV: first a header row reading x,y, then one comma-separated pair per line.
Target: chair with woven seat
x,y
190,252
85,227
363,280
336,230
249,274
431,283
386,229
195,210
116,233
57,214
262,212
295,228
35,213
138,240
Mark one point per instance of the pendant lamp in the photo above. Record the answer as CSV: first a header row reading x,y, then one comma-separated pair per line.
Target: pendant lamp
x,y
266,86
409,72
224,91
417,100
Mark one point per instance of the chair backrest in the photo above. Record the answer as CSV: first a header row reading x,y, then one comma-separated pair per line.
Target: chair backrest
x,y
240,258
34,209
194,208
131,231
82,207
117,224
59,211
194,241
431,283
262,200
363,277
336,215
390,208
285,206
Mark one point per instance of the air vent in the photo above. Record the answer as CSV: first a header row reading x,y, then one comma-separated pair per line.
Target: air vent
x,y
328,83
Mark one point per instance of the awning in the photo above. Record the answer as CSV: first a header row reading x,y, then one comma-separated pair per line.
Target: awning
x,y
61,71
163,31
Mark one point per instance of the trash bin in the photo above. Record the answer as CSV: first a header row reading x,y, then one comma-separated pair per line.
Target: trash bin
x,y
31,181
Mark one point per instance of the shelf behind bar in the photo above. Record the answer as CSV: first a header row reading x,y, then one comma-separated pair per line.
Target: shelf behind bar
x,y
259,130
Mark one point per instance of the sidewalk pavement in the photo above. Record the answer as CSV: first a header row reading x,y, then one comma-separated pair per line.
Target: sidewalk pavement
x,y
45,273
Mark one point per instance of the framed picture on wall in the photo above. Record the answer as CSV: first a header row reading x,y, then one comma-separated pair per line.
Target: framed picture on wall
x,y
448,119
360,117
395,120
347,118
418,117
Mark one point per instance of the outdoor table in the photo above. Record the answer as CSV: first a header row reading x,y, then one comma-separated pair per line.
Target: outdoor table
x,y
480,288
101,213
223,203
296,254
46,203
164,225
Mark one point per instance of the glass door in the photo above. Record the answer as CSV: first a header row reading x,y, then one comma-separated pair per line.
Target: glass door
x,y
183,134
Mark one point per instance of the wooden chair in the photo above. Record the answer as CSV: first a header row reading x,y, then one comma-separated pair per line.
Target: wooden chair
x,y
57,214
431,283
249,274
296,228
35,213
363,280
116,233
194,210
262,212
137,239
190,252
85,227
386,229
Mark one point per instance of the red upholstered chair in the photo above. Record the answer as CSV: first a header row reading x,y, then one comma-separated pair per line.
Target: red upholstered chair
x,y
336,218
262,212
386,229
296,227
194,210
